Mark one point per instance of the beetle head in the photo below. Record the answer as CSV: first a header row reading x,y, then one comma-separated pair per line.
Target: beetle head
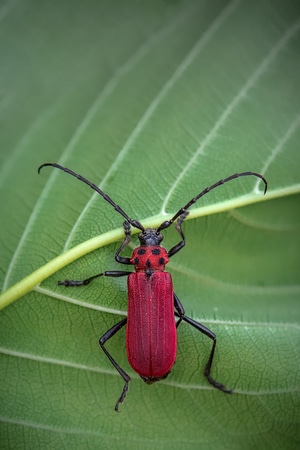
x,y
150,236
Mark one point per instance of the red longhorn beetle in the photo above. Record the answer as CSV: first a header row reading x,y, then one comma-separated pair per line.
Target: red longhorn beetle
x,y
151,325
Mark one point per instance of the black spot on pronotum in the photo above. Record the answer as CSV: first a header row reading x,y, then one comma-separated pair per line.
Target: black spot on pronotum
x,y
155,251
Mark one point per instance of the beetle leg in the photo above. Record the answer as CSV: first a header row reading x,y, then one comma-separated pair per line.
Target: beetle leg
x,y
180,310
111,332
108,273
180,313
178,227
127,239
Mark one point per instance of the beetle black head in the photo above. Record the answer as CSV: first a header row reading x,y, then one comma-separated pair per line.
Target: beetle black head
x,y
150,236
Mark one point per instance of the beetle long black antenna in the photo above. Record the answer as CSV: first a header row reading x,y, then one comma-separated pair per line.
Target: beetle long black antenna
x,y
132,222
167,223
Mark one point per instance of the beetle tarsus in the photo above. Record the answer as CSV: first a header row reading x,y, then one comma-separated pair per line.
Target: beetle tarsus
x,y
123,395
217,385
71,283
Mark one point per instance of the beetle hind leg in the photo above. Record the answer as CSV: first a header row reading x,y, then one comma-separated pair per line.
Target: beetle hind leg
x,y
122,396
111,332
181,314
207,369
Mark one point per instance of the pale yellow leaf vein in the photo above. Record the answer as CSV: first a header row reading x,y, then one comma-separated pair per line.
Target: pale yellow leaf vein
x,y
200,44
104,94
76,366
278,148
261,69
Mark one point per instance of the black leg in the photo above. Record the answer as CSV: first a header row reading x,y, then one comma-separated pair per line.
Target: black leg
x,y
180,313
111,332
127,239
108,273
178,227
180,310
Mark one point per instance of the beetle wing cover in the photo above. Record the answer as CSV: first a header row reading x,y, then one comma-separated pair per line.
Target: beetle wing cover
x,y
151,328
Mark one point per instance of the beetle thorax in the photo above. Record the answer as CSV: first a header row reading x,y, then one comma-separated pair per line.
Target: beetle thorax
x,y
149,258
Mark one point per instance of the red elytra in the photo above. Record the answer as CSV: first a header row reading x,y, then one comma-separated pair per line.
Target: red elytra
x,y
152,304
151,328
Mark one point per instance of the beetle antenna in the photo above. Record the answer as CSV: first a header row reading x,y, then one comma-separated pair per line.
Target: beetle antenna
x,y
132,222
182,210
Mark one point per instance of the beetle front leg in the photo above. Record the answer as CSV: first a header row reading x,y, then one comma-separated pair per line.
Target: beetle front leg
x,y
111,332
180,313
178,227
124,259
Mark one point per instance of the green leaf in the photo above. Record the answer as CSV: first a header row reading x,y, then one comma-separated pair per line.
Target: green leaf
x,y
152,101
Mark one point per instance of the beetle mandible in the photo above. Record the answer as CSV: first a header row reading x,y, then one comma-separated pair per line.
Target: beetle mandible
x,y
151,327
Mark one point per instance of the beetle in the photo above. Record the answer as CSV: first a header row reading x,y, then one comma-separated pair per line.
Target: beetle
x,y
153,306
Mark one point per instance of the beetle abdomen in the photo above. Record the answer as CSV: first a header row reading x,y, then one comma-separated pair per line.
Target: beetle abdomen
x,y
151,327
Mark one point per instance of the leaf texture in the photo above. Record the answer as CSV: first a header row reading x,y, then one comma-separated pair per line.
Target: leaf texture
x,y
152,101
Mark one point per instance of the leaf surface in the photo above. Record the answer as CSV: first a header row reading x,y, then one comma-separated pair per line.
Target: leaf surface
x,y
152,101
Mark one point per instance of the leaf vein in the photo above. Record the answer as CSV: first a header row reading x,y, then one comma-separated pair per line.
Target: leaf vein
x,y
157,100
261,69
279,147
